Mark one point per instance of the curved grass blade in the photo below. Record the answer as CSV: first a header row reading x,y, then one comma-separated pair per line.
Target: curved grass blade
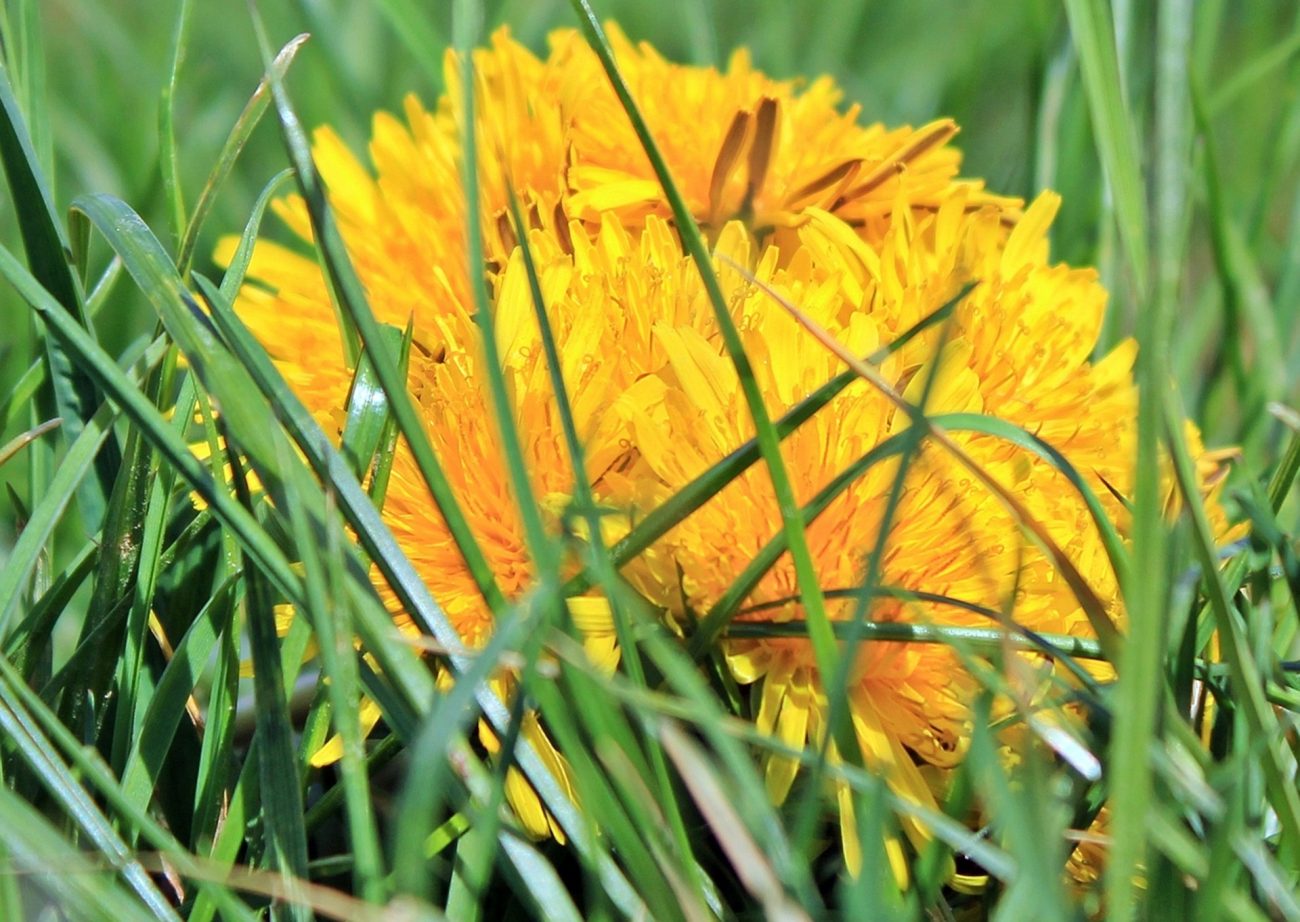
x,y
145,415
1275,760
392,562
722,611
1100,620
323,579
347,286
351,296
252,113
769,445
89,765
696,493
23,439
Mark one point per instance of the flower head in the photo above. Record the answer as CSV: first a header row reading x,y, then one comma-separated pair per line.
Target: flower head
x,y
868,230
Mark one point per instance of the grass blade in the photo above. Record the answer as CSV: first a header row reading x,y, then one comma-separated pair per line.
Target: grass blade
x,y
819,630
75,395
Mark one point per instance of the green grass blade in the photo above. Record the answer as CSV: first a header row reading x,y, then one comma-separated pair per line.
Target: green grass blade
x,y
145,415
348,288
40,526
88,765
29,639
323,581
132,527
602,564
1116,138
696,493
230,151
36,751
1275,756
819,631
71,881
167,155
367,417
285,836
75,395
1147,592
158,725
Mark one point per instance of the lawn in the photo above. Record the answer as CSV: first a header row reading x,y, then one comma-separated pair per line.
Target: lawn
x,y
809,461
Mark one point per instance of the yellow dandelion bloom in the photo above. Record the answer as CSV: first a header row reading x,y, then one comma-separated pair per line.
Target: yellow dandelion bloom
x,y
868,230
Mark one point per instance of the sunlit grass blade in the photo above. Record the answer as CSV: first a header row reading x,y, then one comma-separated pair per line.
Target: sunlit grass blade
x,y
348,289
36,751
377,539
19,699
1276,759
1098,617
230,151
23,439
819,632
323,575
691,497
601,563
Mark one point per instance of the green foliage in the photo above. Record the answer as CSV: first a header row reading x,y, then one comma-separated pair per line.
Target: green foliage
x,y
142,777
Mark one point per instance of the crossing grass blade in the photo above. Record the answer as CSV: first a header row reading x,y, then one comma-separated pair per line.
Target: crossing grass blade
x,y
38,719
285,847
1193,740
819,631
689,498
323,581
350,294
34,845
44,764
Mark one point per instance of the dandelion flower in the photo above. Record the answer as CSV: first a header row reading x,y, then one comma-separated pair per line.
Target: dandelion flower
x,y
868,230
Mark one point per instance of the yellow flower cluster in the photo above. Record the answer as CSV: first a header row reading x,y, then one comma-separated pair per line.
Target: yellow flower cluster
x,y
867,229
